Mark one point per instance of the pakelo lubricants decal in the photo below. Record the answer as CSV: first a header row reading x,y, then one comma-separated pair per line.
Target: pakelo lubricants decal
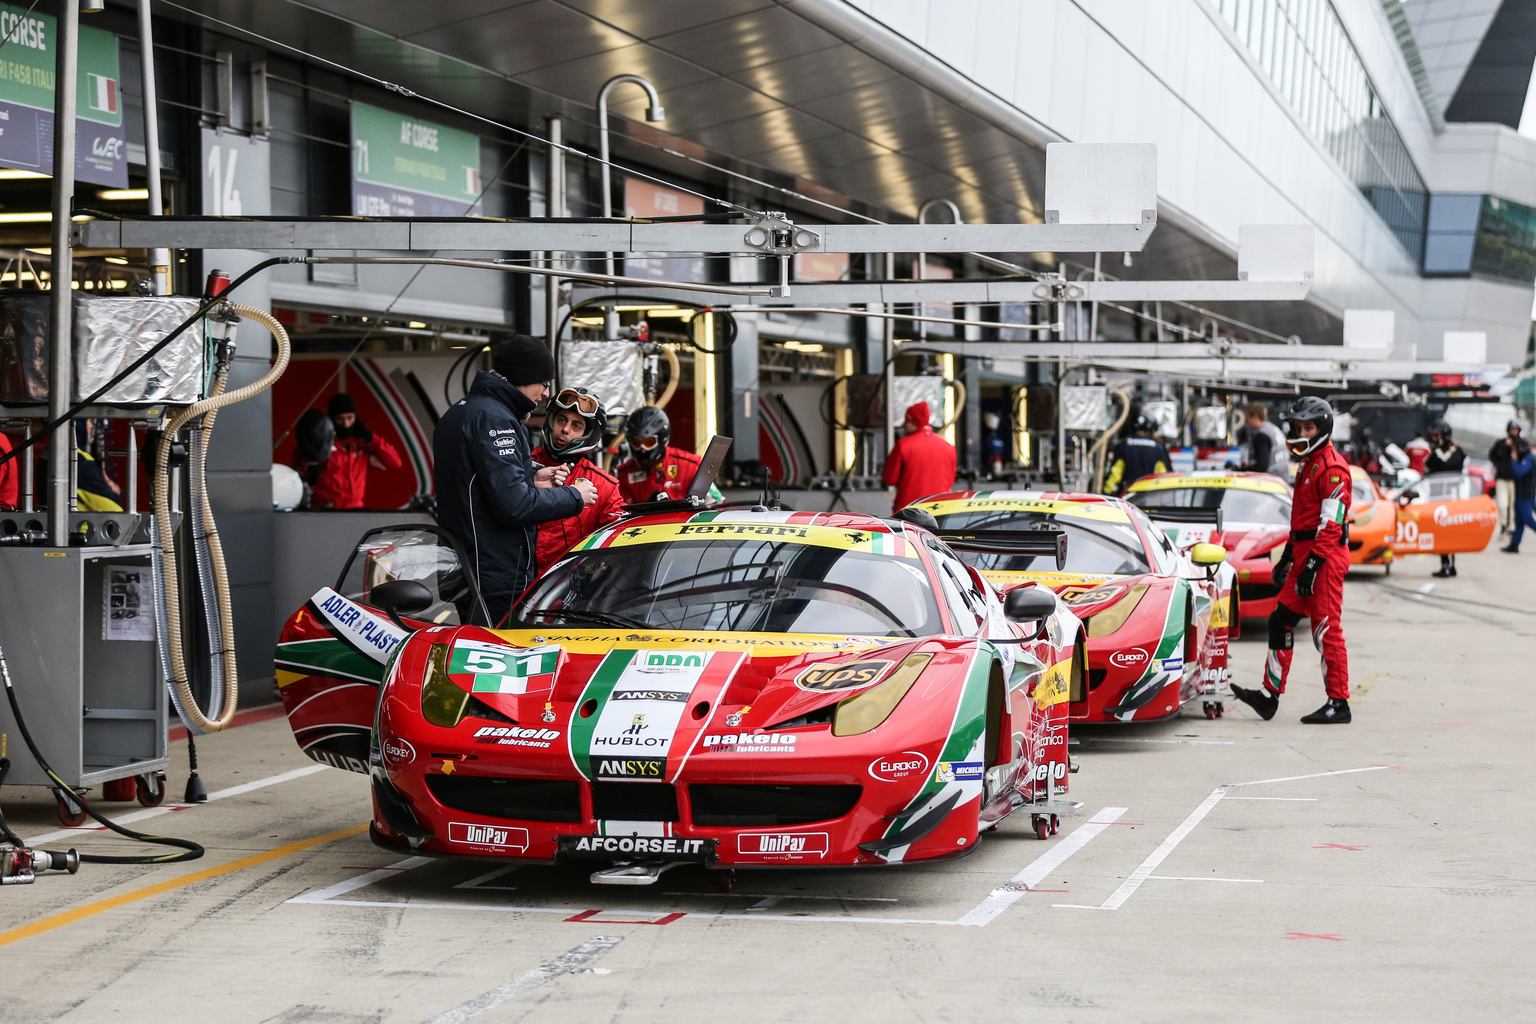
x,y
642,696
483,667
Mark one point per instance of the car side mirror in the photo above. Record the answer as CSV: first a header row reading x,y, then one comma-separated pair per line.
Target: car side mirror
x,y
1207,554
1029,605
398,596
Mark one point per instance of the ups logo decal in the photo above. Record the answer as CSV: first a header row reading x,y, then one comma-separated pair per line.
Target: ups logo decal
x,y
841,675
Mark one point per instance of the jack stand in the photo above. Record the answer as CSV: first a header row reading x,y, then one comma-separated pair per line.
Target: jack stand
x,y
634,873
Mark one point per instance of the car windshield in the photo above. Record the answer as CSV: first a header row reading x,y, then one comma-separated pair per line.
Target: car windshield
x,y
1092,547
1237,504
411,553
744,585
1361,492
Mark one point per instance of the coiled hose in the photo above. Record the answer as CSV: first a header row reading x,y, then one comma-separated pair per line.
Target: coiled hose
x,y
225,698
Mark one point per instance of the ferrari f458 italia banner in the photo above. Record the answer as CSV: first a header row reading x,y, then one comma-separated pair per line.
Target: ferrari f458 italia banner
x,y
27,62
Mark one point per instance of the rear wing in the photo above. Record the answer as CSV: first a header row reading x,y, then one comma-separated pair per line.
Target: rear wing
x,y
1051,542
1186,516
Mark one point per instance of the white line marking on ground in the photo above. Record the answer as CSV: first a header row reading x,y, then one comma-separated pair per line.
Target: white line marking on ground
x,y
1316,775
1040,868
1184,878
549,970
778,896
1130,885
478,882
368,878
1426,588
1299,799
154,812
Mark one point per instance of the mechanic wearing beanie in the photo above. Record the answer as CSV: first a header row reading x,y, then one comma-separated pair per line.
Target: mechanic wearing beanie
x,y
921,462
343,477
490,495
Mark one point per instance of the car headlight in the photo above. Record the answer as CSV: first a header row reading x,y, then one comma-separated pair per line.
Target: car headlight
x,y
443,702
865,710
1112,618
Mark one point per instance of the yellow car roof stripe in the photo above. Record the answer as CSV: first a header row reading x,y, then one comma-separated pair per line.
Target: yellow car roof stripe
x,y
1237,483
1097,511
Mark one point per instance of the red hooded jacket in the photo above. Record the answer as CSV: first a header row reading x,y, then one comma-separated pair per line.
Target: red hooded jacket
x,y
921,463
345,477
557,535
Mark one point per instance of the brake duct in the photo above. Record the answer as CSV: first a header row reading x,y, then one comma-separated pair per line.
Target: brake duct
x,y
207,550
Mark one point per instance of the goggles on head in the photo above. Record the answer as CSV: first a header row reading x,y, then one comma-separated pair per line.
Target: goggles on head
x,y
579,399
645,444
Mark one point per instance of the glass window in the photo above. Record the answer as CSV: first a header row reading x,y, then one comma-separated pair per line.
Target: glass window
x,y
1092,547
1506,241
966,605
1237,505
736,586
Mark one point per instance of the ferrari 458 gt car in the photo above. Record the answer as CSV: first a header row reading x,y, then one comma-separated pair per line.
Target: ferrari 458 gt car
x,y
1444,514
1157,617
733,688
1372,522
1255,523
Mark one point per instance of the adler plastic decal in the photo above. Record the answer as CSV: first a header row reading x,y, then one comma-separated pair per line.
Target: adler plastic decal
x,y
361,629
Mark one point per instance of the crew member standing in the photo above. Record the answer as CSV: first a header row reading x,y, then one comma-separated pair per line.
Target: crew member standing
x,y
489,495
356,450
655,471
1315,590
1445,456
921,462
1266,443
1137,456
573,430
1525,499
1506,451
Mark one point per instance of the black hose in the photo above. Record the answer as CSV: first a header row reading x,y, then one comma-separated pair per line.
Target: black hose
x,y
191,850
720,345
69,414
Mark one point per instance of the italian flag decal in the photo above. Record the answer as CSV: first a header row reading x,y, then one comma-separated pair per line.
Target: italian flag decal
x,y
482,667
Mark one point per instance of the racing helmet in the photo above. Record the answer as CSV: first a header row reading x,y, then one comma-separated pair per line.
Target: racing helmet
x,y
1143,424
1440,431
1308,409
586,405
648,431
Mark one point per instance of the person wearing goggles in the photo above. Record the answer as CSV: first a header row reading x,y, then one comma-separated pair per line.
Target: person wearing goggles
x,y
572,437
655,471
1315,589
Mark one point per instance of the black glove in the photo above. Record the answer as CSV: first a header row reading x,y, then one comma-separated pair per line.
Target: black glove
x,y
359,432
1307,579
1282,568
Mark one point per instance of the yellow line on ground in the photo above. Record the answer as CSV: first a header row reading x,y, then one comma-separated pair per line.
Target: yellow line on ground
x,y
91,909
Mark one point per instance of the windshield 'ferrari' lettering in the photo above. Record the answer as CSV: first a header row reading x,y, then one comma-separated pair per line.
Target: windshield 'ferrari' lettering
x,y
742,530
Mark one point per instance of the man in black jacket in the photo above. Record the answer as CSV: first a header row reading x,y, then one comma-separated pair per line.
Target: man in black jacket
x,y
1445,456
1506,451
490,495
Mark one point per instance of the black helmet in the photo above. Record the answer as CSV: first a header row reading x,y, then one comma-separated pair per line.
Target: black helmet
x,y
1308,409
648,431
1440,431
1514,425
1143,424
313,436
584,404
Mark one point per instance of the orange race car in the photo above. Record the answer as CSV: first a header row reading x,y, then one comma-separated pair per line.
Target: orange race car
x,y
1372,522
1444,514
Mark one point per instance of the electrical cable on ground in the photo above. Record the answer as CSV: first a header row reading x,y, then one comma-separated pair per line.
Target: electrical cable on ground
x,y
189,849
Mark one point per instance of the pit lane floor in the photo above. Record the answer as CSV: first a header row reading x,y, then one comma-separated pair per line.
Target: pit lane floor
x,y
1273,871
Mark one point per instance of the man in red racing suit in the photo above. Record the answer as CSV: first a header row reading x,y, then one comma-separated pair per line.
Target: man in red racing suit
x,y
655,470
1312,567
573,430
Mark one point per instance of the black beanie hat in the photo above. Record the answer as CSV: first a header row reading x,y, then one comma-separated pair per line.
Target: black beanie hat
x,y
340,402
523,359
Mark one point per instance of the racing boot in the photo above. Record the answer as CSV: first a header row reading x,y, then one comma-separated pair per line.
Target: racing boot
x,y
1263,701
1335,712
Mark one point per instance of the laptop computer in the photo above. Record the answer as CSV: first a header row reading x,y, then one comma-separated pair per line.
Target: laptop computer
x,y
709,467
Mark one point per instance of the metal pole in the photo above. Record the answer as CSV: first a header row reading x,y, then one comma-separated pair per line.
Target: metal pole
x,y
654,112
890,365
554,206
159,259
62,444
1098,275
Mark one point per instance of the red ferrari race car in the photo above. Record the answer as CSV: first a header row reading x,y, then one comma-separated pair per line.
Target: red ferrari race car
x,y
1255,524
1157,618
731,688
